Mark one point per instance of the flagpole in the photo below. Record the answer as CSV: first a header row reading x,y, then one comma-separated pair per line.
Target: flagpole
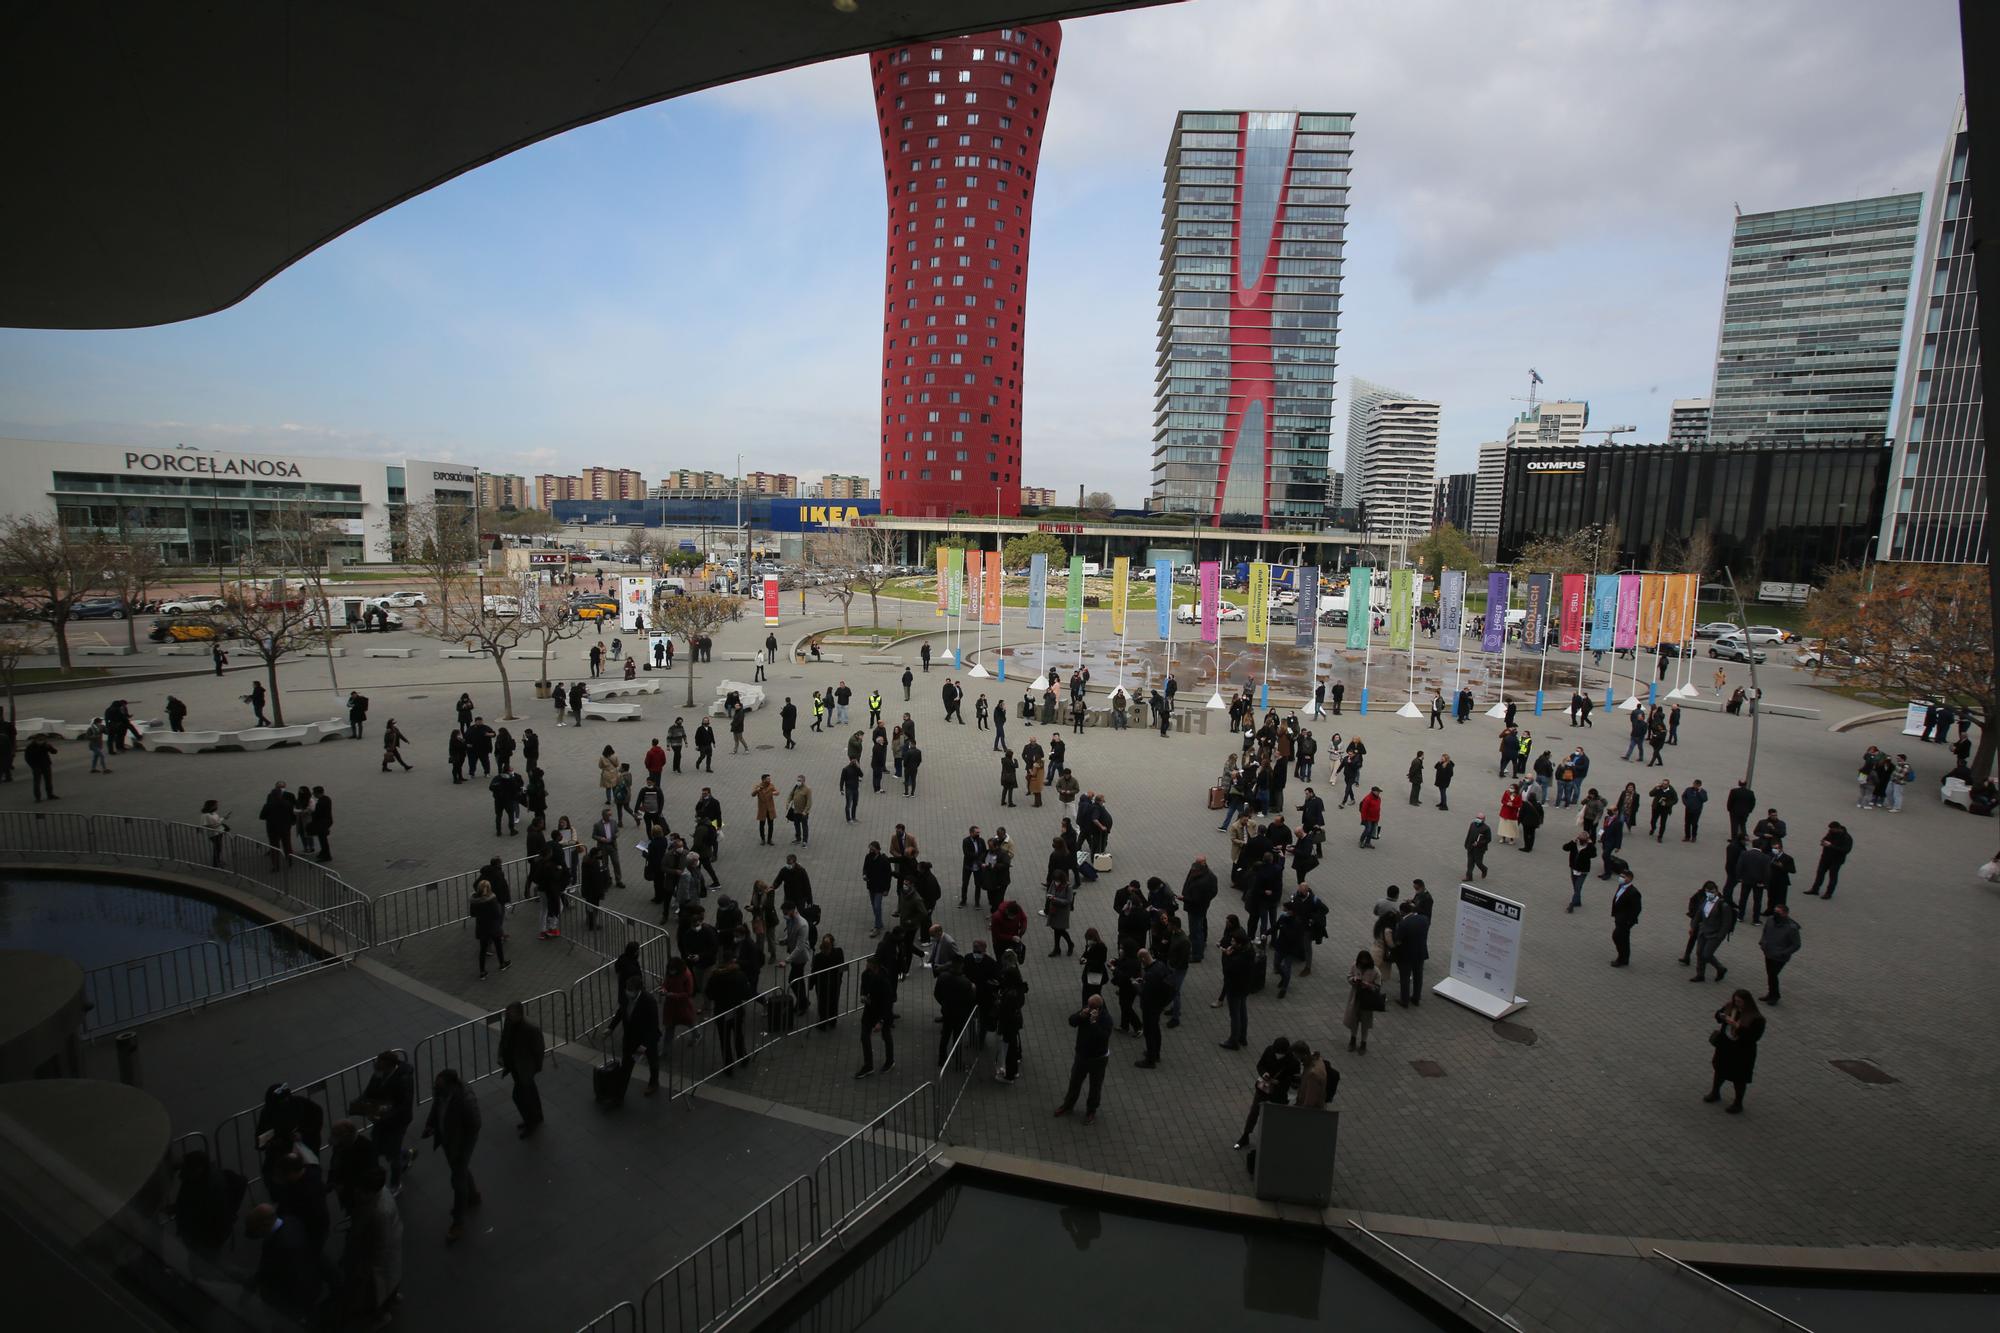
x,y
1409,708
1541,648
979,613
1000,621
1500,709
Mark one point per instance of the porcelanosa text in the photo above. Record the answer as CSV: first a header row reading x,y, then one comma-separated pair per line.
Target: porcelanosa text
x,y
208,463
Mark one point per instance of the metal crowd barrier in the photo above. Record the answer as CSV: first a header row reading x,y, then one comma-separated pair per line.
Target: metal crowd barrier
x,y
769,1017
422,908
876,1159
723,1276
964,1055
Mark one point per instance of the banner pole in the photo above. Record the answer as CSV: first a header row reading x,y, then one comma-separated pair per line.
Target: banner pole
x,y
1500,709
1000,621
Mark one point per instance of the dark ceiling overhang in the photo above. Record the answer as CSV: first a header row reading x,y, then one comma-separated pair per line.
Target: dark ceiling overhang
x,y
163,161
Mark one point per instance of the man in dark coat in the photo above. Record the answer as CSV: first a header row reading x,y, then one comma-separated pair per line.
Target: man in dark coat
x,y
1478,837
1833,850
1198,890
1626,902
453,1128
1093,1054
1741,804
1413,935
639,1013
1156,992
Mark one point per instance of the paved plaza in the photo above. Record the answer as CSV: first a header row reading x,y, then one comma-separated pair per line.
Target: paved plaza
x,y
1581,1114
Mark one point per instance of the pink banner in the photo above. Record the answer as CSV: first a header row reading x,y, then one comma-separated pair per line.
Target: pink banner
x,y
770,601
1572,613
1626,635
1211,601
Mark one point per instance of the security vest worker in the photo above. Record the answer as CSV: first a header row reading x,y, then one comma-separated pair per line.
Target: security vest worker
x,y
874,707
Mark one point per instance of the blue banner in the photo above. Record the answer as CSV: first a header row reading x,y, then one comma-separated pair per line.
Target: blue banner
x,y
1604,615
1451,608
1163,596
1308,606
1038,590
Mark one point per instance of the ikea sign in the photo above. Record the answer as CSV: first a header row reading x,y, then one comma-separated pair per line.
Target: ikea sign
x,y
788,515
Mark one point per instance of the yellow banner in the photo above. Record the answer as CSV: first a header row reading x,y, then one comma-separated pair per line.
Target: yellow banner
x,y
1258,619
1652,601
1121,573
1677,609
943,576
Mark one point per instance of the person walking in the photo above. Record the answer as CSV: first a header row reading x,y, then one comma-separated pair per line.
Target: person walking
x,y
766,795
1739,1027
1478,837
520,1058
1780,940
1371,817
1714,919
392,746
489,925
453,1129
1093,1055
1626,904
1413,934
256,699
798,810
878,1014
639,1014
1364,1000
1833,851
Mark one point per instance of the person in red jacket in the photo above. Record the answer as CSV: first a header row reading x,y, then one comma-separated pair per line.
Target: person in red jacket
x,y
656,760
1510,814
1010,923
1371,817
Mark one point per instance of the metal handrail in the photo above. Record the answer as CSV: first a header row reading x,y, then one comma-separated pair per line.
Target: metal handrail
x,y
742,1262
1739,1295
620,1318
1505,1321
943,1113
846,1164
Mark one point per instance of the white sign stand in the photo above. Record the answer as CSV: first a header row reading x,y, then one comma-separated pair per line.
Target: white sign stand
x,y
1486,948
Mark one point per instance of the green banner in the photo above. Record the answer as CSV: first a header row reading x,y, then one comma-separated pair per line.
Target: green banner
x,y
1400,609
1360,605
1073,600
954,581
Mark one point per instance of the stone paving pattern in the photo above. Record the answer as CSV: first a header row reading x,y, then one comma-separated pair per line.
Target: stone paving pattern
x,y
1596,1127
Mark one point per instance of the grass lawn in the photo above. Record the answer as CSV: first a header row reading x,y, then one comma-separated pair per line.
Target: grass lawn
x,y
41,675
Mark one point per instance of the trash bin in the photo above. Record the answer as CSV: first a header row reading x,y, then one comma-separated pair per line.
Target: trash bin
x,y
543,689
1295,1152
128,1058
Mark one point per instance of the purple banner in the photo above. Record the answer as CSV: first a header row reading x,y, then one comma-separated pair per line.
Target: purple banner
x,y
1495,637
1627,633
1211,601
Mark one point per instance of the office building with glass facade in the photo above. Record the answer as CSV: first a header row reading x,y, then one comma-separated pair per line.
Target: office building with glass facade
x,y
962,122
1812,322
1936,510
205,507
1776,512
1250,244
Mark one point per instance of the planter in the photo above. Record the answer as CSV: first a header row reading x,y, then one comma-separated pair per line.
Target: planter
x,y
543,689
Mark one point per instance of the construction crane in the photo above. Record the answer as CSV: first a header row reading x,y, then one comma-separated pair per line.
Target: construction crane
x,y
1535,381
1609,432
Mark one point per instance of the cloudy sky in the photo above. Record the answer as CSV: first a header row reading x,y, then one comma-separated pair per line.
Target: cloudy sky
x,y
1547,183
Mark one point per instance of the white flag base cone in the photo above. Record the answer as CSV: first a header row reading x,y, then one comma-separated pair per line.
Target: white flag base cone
x,y
977,670
1497,710
1410,709
1216,700
1039,684
1629,704
1687,691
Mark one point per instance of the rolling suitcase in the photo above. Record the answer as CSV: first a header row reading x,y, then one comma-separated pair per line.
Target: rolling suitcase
x,y
1101,863
607,1080
1217,798
1262,972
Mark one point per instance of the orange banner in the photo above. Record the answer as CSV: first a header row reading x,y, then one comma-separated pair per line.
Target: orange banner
x,y
943,576
1652,600
992,601
1675,608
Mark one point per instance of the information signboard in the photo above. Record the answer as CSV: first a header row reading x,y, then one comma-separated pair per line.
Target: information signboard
x,y
1485,951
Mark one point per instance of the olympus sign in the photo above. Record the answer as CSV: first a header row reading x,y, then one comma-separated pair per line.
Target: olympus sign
x,y
1557,465
212,465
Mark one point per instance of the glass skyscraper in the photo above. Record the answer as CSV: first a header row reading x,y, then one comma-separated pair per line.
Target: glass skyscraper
x,y
1250,242
1936,507
1812,322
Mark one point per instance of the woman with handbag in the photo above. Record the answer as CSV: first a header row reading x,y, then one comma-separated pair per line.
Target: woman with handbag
x,y
1364,999
1096,964
1739,1026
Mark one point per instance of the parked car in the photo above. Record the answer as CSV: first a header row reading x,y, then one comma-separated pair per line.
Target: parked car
x,y
594,608
1768,634
1715,629
1284,615
1333,615
1285,597
171,629
99,608
189,606
400,599
1732,648
1189,613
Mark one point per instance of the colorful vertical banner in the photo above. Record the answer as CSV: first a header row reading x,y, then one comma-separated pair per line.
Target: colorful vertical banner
x,y
1626,633
1402,595
975,572
1604,614
1451,608
1535,627
1073,596
1038,591
1163,597
943,573
954,574
1498,593
1360,605
1210,605
1308,606
1121,590
770,600
635,599
1652,602
1258,628
531,596
1572,613
1674,615
993,588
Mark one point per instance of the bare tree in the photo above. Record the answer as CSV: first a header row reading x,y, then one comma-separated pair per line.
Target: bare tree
x,y
58,565
277,603
693,616
547,620
1099,503
14,645
865,559
454,610
634,546
134,566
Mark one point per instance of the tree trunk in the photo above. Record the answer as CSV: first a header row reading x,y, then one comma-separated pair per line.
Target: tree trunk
x,y
61,628
690,657
277,704
1982,757
875,607
506,686
131,629
846,623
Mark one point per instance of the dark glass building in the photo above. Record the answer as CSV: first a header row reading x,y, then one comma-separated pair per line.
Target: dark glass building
x,y
1775,512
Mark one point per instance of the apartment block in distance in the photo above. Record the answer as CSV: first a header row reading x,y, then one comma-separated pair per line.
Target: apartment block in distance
x,y
1037,497
1251,235
962,122
771,483
1488,489
1936,506
550,488
693,481
1689,422
505,490
606,483
1812,322
839,486
1400,469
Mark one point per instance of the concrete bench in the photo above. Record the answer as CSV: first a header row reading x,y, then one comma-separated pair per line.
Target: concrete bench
x,y
807,659
605,712
184,742
1770,709
269,738
616,688
327,730
104,650
742,657
528,655
879,661
1955,791
24,727
388,652
464,654
183,650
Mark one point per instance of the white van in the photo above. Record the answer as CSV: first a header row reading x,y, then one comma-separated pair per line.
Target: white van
x,y
501,604
1091,569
